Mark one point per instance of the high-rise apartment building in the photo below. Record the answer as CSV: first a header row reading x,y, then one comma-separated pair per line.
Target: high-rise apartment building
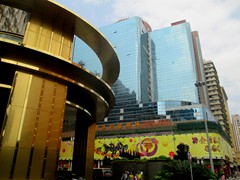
x,y
236,130
217,96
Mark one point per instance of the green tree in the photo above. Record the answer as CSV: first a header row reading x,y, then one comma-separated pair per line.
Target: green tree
x,y
177,169
182,152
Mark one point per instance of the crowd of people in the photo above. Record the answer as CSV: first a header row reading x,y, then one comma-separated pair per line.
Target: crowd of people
x,y
131,176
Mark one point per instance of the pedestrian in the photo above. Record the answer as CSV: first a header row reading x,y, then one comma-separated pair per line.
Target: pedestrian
x,y
130,177
124,175
235,174
140,175
135,177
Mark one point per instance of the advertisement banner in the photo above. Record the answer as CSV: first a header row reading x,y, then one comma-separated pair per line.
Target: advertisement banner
x,y
66,150
157,145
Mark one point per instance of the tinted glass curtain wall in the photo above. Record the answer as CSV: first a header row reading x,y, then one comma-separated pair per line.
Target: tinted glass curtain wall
x,y
155,66
131,88
175,63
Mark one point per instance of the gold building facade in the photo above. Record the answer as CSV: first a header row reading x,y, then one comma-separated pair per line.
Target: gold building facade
x,y
38,81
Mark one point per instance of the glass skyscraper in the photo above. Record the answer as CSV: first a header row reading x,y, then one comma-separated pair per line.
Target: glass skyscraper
x,y
160,92
158,70
125,37
175,63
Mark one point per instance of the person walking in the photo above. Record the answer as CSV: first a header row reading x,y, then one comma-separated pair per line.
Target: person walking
x,y
124,175
130,177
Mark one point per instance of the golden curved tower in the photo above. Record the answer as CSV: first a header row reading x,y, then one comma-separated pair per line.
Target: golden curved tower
x,y
38,79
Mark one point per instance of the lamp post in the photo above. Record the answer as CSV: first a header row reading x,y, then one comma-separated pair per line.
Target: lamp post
x,y
208,141
200,84
190,163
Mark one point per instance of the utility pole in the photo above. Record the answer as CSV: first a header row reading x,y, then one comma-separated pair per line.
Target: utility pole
x,y
200,84
208,141
190,163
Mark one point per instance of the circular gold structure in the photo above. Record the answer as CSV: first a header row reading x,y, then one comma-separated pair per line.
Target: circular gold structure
x,y
39,79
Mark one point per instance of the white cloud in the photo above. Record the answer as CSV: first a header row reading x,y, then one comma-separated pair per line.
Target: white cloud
x,y
97,2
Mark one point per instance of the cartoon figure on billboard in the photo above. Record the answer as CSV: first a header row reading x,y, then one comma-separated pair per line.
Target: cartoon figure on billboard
x,y
194,140
215,148
203,140
111,149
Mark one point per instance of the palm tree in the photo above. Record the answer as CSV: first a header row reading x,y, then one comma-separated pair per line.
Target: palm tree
x,y
177,170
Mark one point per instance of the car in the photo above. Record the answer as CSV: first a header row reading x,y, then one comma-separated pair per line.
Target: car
x,y
102,173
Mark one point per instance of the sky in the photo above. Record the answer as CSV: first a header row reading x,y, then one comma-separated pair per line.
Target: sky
x,y
217,22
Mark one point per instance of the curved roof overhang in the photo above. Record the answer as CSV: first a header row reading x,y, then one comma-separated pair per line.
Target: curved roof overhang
x,y
85,31
84,88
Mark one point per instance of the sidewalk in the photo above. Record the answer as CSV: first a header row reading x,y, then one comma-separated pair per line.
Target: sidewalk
x,y
238,178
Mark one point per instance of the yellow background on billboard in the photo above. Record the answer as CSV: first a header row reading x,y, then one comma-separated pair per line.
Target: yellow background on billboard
x,y
66,150
157,145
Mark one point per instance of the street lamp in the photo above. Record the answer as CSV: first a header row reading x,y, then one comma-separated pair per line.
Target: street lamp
x,y
200,84
190,163
208,141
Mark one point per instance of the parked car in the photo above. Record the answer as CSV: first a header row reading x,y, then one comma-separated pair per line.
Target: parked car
x,y
102,173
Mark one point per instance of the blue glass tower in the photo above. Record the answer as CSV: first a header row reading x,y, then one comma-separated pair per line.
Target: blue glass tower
x,y
125,37
175,63
158,70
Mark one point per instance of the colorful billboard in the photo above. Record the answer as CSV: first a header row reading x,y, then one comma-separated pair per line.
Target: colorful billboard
x,y
66,150
157,145
154,146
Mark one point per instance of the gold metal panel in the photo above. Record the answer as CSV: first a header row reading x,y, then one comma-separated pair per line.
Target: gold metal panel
x,y
54,33
37,163
57,117
51,164
57,36
11,130
20,89
6,158
59,101
44,43
33,31
31,38
90,150
21,165
67,42
35,24
56,125
29,123
53,142
42,129
53,135
66,52
34,94
55,47
58,106
46,30
47,93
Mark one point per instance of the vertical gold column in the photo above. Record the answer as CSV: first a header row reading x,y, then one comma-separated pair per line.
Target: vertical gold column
x,y
90,150
11,131
32,134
